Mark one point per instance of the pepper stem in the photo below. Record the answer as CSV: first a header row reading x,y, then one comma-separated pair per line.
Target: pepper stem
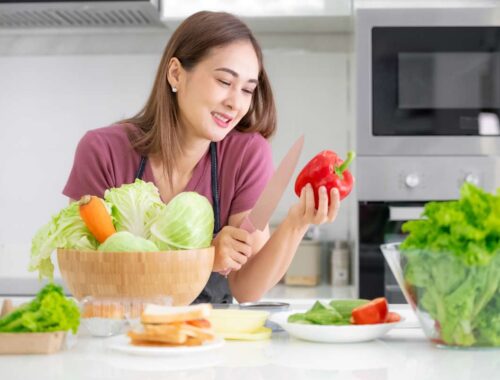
x,y
340,169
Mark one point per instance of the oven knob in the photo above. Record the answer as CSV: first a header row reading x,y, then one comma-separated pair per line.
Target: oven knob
x,y
471,178
412,180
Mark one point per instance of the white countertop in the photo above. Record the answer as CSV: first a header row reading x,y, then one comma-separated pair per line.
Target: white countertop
x,y
404,353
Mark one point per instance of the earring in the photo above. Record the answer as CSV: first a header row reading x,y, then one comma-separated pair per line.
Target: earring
x,y
174,89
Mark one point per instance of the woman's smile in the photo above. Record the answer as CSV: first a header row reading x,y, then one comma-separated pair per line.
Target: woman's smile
x,y
221,119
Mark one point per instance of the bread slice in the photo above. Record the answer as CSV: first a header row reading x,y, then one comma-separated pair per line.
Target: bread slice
x,y
145,343
173,337
168,314
197,332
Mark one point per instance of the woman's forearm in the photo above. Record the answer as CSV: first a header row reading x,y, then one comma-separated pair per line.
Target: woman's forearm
x,y
268,266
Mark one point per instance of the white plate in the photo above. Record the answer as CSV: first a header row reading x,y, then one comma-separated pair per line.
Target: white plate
x,y
409,319
332,333
122,343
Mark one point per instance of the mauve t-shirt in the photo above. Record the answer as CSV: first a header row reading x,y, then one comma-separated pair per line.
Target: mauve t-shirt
x,y
105,158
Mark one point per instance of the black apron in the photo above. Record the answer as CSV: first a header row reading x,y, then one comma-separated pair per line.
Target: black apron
x,y
217,289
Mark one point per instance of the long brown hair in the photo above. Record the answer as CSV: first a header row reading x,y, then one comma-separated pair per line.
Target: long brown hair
x,y
157,124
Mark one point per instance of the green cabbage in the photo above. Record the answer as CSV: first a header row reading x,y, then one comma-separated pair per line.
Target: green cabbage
x,y
124,241
187,222
65,230
137,209
134,207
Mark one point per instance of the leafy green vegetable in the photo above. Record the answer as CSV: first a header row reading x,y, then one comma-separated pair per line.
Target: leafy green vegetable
x,y
49,311
468,228
487,324
345,307
453,264
299,318
187,222
321,314
137,211
135,207
124,241
65,230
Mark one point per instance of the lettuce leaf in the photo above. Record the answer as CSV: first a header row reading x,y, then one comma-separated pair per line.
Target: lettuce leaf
x,y
50,310
65,230
187,222
124,241
135,207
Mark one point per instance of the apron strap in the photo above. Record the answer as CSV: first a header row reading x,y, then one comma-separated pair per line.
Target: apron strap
x,y
140,170
215,186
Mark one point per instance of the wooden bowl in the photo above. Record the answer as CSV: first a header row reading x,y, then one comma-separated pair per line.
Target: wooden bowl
x,y
181,274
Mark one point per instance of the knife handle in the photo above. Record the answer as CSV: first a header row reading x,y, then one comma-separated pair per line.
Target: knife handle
x,y
247,225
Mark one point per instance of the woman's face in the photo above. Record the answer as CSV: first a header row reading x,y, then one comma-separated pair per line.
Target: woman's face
x,y
215,95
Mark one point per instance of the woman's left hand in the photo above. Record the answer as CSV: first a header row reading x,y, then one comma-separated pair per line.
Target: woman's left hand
x,y
304,212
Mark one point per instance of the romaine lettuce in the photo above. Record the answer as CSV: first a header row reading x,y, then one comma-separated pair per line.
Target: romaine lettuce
x,y
453,265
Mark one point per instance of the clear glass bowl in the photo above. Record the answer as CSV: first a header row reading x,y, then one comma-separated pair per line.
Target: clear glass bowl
x,y
107,316
457,304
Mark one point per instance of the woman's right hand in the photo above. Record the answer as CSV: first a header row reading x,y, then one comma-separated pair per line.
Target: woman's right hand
x,y
232,249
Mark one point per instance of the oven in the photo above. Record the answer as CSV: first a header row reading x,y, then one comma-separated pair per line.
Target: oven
x,y
427,120
380,223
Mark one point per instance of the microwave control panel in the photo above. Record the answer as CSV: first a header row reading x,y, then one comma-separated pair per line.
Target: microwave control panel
x,y
421,178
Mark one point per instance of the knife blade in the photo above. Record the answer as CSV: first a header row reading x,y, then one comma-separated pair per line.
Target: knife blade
x,y
261,213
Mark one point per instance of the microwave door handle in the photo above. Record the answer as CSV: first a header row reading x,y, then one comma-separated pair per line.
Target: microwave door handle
x,y
405,213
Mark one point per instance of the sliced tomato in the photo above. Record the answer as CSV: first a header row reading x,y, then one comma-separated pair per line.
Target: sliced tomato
x,y
373,312
202,323
392,317
382,306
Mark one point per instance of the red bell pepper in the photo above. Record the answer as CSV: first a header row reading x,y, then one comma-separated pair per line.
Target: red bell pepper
x,y
329,170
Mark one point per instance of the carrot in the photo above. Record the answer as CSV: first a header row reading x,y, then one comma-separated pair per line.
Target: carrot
x,y
96,217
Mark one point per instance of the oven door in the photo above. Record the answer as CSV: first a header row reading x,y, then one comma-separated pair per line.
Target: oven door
x,y
436,81
380,223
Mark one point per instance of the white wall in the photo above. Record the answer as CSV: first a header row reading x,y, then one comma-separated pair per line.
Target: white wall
x,y
49,98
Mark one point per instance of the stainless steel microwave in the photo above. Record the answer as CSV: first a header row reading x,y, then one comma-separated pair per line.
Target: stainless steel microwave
x,y
428,81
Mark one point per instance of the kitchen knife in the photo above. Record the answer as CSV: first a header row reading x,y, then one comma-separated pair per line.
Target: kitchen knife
x,y
261,213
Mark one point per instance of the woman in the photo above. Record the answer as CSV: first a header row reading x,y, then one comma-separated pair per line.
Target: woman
x,y
204,129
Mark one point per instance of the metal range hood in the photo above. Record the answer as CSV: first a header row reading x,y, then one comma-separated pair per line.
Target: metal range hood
x,y
27,14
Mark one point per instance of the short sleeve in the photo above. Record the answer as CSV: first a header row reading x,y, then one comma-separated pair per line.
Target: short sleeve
x,y
92,170
255,171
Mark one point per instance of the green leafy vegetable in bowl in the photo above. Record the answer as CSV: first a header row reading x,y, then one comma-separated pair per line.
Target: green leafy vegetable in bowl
x,y
187,222
142,221
49,311
452,268
65,230
124,241
135,207
336,312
